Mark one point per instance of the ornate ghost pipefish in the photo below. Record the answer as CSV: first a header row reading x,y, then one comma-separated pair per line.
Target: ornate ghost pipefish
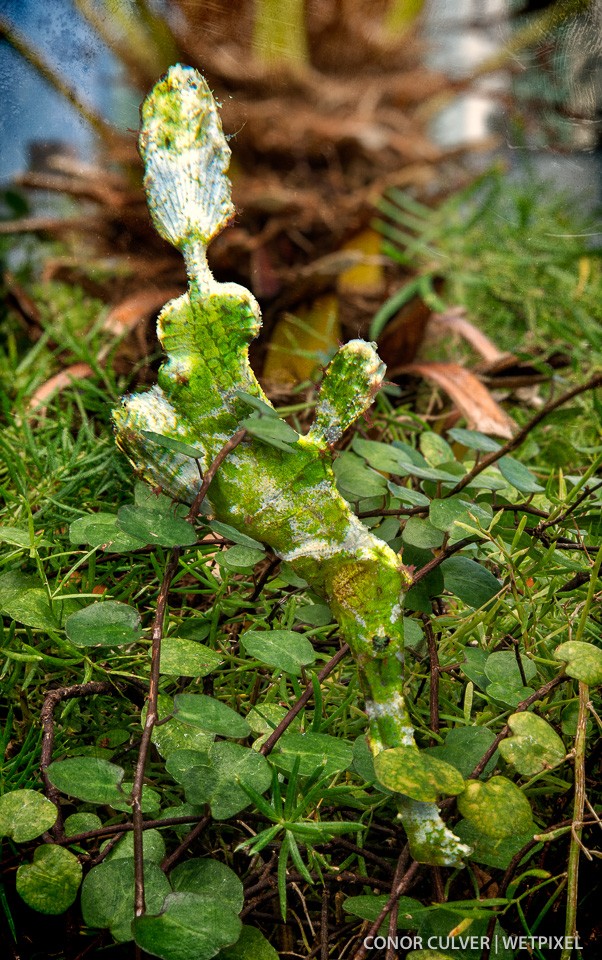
x,y
287,500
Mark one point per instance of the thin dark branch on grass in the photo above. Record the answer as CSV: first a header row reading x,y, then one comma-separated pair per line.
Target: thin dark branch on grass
x,y
286,721
51,701
434,685
397,877
153,693
170,861
396,893
448,551
524,432
324,922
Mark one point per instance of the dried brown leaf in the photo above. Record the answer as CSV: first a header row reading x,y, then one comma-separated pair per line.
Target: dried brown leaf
x,y
471,398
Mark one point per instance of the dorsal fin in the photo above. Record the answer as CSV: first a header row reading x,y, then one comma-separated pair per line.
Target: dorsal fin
x,y
186,157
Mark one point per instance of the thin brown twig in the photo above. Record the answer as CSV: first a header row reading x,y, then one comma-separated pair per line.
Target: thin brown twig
x,y
401,864
153,692
170,861
396,893
434,684
523,433
51,701
286,721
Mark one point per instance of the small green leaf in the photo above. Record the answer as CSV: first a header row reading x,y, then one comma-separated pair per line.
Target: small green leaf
x,y
444,514
369,907
314,614
469,581
502,667
518,475
185,658
50,884
172,735
508,694
107,897
435,449
153,847
231,533
408,495
88,778
251,945
422,534
492,851
266,409
464,747
23,598
215,777
81,823
283,649
497,807
474,440
381,456
271,430
241,558
25,815
313,750
355,480
187,928
15,536
174,445
583,660
209,878
101,530
154,527
107,623
211,715
533,746
416,774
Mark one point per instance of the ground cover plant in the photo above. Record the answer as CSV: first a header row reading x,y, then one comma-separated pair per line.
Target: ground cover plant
x,y
255,797
500,676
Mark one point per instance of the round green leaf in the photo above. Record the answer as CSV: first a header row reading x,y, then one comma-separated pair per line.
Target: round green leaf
x,y
241,558
81,823
583,660
416,774
313,750
518,475
25,815
211,715
107,897
355,479
50,884
216,777
464,747
154,527
474,440
251,945
211,879
101,530
314,614
173,735
153,847
107,623
188,928
533,746
435,449
502,667
88,778
492,851
369,906
508,694
497,807
283,649
23,598
469,581
186,658
422,534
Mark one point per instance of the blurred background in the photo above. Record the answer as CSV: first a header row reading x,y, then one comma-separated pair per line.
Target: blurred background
x,y
331,106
